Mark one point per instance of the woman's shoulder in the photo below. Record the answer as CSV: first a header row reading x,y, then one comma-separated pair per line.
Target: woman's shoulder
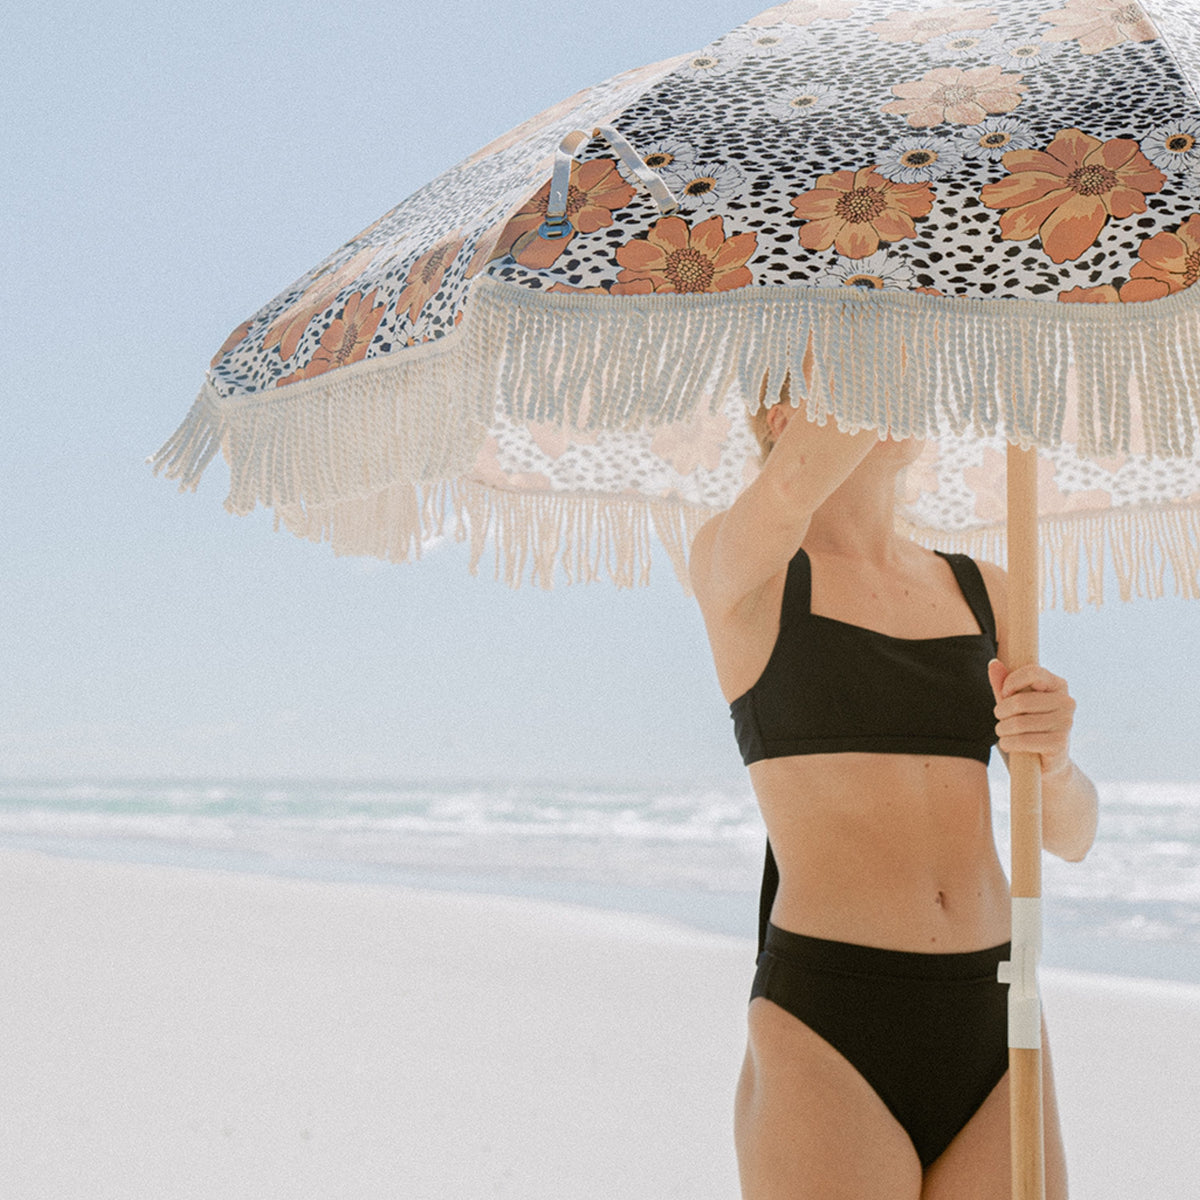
x,y
994,576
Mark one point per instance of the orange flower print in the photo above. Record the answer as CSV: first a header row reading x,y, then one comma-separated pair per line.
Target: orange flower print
x,y
922,27
288,328
484,250
1099,24
237,336
673,257
1136,290
1170,258
854,211
1066,193
1170,263
596,190
346,340
566,289
1105,294
804,12
955,95
426,274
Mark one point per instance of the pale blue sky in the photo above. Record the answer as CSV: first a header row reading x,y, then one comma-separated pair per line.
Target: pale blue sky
x,y
168,170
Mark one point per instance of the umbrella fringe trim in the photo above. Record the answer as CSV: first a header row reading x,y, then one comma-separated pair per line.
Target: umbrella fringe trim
x,y
918,365
410,428
544,357
534,535
1141,546
189,450
284,452
531,534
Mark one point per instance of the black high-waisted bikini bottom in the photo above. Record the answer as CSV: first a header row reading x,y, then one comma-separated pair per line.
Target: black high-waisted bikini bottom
x,y
929,1032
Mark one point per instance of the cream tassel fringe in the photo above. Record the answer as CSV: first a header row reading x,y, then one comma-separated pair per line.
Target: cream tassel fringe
x,y
368,456
533,534
915,364
318,442
1141,546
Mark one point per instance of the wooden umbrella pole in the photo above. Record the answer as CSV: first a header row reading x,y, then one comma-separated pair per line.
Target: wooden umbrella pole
x,y
1024,1008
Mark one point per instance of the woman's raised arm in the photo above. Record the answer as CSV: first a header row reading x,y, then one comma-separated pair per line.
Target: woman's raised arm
x,y
738,551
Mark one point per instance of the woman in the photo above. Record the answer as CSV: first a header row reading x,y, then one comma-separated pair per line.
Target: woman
x,y
866,681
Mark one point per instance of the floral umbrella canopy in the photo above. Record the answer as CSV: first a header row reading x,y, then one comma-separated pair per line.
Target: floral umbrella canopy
x,y
973,222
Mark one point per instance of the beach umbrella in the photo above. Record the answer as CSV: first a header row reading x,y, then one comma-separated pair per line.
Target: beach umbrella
x,y
972,222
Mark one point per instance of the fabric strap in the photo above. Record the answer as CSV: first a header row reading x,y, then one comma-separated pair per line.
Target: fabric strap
x,y
974,590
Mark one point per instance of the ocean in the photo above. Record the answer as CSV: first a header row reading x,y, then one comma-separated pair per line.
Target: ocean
x,y
694,855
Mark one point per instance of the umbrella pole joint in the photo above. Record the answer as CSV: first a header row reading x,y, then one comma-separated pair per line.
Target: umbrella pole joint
x,y
1020,972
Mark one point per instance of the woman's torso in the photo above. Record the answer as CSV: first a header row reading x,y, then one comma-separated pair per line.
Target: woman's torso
x,y
885,849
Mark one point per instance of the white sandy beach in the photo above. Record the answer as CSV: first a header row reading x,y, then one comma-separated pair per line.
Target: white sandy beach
x,y
170,1033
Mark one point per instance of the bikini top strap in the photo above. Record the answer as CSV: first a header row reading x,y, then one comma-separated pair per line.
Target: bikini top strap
x,y
766,896
974,590
797,588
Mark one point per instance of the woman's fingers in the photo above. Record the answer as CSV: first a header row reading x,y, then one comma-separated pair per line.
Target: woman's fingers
x,y
1033,723
1046,732
997,672
1053,743
1035,702
1031,677
1034,712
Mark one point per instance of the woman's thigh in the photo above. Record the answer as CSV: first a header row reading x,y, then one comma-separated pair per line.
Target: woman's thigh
x,y
977,1164
808,1126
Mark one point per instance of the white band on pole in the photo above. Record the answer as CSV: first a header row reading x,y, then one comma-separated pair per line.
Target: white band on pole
x,y
1021,975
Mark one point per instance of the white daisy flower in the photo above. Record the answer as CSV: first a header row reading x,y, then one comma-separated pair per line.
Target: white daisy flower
x,y
1026,54
968,43
662,157
799,101
883,269
919,159
994,137
705,185
767,41
705,66
1175,147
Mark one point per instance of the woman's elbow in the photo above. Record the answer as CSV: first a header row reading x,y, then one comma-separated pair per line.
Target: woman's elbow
x,y
1072,853
1071,840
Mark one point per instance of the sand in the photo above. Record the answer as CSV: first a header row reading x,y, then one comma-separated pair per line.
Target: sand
x,y
171,1033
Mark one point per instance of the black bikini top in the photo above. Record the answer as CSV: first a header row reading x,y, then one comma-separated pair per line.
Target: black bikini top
x,y
830,687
